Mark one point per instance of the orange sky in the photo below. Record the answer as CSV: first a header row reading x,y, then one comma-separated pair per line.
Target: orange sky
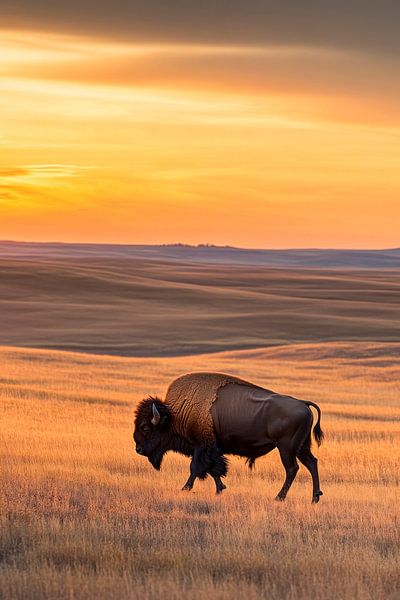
x,y
256,146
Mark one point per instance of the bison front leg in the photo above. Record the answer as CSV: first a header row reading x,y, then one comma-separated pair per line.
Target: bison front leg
x,y
197,468
218,469
220,487
207,460
192,477
291,467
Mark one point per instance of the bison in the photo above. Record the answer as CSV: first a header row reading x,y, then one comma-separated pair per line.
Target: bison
x,y
208,415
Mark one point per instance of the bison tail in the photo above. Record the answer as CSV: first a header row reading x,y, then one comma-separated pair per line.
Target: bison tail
x,y
317,431
318,434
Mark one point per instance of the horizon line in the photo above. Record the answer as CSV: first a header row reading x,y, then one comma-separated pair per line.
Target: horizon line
x,y
202,245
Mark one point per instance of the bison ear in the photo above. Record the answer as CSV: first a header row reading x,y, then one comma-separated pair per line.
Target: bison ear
x,y
156,415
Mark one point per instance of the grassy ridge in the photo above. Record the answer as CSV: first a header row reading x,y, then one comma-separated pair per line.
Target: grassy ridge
x,y
82,516
144,307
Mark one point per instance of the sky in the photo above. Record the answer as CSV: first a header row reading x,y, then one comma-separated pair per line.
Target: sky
x,y
257,124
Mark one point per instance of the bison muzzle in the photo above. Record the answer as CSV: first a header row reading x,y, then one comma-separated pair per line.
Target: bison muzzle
x,y
208,415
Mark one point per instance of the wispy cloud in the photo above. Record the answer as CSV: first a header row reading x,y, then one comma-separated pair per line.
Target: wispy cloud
x,y
13,172
41,172
23,182
51,171
107,77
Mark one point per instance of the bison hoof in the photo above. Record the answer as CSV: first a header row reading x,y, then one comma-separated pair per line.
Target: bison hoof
x,y
279,498
316,497
187,487
221,489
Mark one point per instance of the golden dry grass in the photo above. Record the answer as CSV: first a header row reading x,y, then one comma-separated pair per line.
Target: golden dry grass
x,y
83,516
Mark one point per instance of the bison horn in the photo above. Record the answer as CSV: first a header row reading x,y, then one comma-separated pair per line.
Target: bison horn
x,y
156,415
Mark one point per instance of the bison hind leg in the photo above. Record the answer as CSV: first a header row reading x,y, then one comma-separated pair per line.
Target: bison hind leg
x,y
310,462
288,458
316,497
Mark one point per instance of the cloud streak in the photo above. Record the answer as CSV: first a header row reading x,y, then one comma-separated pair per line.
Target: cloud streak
x,y
42,172
336,84
359,24
22,183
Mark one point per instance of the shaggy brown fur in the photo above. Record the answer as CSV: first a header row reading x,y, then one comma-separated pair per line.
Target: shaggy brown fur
x,y
189,399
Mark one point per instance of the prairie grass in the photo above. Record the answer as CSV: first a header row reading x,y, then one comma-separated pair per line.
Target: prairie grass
x,y
82,516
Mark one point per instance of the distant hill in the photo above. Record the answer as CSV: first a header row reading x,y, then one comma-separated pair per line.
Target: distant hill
x,y
315,258
174,300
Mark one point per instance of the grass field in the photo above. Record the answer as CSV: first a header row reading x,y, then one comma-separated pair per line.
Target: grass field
x,y
83,516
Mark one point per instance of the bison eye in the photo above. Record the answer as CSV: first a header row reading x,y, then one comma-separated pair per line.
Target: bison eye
x,y
145,428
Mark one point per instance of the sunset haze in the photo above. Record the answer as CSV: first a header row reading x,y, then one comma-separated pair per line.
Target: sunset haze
x,y
241,125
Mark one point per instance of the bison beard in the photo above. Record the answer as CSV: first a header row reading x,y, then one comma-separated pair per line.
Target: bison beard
x,y
156,458
169,441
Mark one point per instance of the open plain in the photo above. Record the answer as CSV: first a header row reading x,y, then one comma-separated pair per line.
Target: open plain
x,y
178,300
83,516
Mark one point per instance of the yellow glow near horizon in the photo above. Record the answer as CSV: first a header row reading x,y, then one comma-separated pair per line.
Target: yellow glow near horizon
x,y
252,146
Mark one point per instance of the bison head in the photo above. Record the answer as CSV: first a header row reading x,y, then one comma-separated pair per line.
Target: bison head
x,y
151,434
